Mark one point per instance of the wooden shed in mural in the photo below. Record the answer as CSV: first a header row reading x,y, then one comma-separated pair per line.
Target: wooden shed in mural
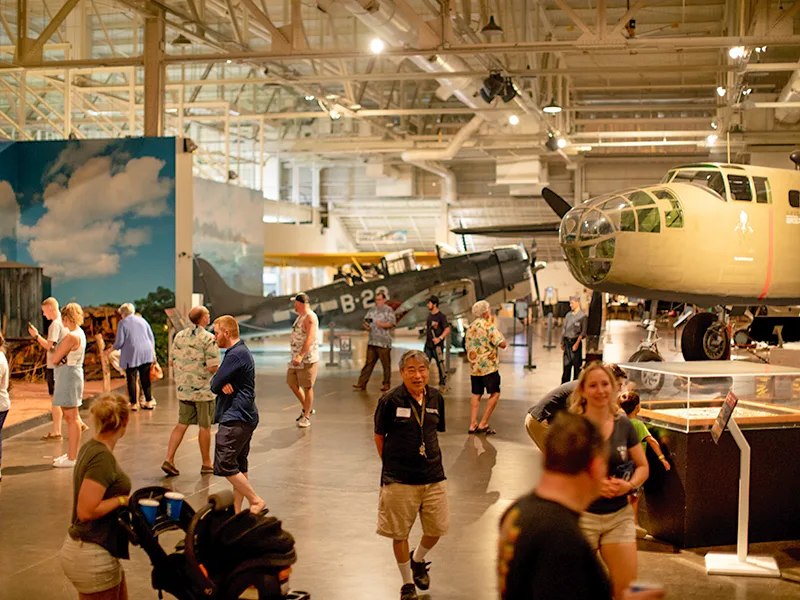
x,y
20,298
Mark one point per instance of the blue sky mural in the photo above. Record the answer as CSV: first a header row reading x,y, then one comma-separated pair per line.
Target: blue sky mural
x,y
97,215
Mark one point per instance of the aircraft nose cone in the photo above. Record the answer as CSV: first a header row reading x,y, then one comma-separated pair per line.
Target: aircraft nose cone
x,y
588,238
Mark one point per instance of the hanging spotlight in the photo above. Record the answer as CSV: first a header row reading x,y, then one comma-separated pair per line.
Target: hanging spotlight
x,y
747,92
513,120
309,98
711,139
551,143
335,115
510,92
181,40
737,52
233,176
491,29
552,108
721,91
376,46
492,86
561,143
713,125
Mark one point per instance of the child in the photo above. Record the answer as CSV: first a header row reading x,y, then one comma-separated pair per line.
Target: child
x,y
5,403
630,403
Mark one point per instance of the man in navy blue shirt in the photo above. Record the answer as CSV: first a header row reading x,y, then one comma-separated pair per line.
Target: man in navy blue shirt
x,y
235,387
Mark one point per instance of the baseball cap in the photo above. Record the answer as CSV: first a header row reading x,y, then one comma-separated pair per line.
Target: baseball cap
x,y
302,297
434,300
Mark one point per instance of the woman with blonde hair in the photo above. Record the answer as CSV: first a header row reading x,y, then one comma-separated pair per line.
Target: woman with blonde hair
x,y
95,543
68,374
608,523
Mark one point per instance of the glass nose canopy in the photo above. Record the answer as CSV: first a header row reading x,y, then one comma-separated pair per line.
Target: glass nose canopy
x,y
588,232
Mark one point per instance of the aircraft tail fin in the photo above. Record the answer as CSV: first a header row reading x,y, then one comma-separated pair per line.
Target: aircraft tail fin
x,y
218,296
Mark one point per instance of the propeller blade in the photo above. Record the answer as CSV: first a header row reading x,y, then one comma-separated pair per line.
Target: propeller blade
x,y
556,202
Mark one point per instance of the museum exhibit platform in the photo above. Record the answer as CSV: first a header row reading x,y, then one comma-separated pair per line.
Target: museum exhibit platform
x,y
695,504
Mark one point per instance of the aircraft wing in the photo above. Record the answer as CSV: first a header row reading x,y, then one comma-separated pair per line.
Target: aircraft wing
x,y
512,230
427,259
455,299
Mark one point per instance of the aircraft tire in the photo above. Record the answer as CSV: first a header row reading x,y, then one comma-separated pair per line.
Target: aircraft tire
x,y
645,381
704,338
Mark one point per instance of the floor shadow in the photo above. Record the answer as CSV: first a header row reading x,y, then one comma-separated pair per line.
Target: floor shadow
x,y
282,438
470,475
25,469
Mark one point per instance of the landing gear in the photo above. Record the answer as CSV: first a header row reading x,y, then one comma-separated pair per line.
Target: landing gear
x,y
706,337
648,352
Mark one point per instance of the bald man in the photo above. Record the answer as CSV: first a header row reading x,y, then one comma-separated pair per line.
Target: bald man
x,y
195,356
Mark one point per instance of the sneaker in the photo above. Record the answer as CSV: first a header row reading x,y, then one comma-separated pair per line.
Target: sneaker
x,y
420,571
302,414
304,422
60,458
408,592
64,464
170,469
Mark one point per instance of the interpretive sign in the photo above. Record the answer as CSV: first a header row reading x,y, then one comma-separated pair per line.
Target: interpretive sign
x,y
724,416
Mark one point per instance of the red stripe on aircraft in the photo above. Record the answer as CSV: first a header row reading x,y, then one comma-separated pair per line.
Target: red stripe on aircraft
x,y
770,256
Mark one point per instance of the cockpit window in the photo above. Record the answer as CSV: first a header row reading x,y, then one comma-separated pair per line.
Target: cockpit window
x,y
708,179
664,195
674,216
762,190
649,220
740,188
668,177
640,198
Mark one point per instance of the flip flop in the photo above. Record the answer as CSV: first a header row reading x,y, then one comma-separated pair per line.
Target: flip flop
x,y
51,436
206,470
84,427
169,469
486,430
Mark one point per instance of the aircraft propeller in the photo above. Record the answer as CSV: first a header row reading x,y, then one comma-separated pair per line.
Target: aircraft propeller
x,y
556,202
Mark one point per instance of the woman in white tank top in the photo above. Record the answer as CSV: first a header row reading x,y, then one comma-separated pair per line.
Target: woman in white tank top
x,y
68,372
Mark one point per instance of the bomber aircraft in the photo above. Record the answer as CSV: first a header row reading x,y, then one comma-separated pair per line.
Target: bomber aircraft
x,y
499,275
709,234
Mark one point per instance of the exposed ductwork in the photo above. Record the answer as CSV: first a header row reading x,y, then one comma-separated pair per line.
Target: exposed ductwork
x,y
791,93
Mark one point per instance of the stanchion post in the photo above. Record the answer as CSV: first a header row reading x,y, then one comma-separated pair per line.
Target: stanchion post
x,y
549,345
332,338
529,335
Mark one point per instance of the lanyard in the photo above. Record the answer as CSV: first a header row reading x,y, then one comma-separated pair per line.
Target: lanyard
x,y
420,418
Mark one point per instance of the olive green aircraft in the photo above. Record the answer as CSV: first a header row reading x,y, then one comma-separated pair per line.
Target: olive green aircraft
x,y
712,235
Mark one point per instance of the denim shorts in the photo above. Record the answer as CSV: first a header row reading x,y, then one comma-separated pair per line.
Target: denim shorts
x,y
90,567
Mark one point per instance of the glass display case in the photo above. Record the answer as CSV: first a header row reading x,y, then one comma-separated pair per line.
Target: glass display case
x,y
687,397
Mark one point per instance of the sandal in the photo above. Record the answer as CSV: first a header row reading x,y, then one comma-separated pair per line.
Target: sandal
x,y
84,427
472,431
52,436
486,430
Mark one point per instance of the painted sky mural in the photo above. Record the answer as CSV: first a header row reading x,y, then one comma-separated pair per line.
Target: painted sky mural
x,y
97,215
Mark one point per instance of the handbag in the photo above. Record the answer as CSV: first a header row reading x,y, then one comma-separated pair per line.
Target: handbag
x,y
156,372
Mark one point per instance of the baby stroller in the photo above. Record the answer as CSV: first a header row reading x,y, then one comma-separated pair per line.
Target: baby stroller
x,y
223,554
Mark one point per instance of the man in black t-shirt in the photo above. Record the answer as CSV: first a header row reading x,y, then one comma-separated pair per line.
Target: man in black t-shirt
x,y
542,553
407,421
437,332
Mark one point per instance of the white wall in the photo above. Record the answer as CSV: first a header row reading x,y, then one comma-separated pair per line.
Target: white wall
x,y
294,239
557,275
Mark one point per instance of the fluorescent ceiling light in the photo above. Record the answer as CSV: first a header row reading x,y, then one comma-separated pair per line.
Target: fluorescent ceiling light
x,y
552,108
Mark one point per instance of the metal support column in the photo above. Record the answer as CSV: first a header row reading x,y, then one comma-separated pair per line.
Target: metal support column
x,y
154,74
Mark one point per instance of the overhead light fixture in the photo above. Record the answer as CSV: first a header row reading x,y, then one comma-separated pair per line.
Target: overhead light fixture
x,y
233,176
561,143
551,143
711,139
355,107
747,92
491,29
376,46
509,92
331,96
513,120
309,98
721,91
552,108
492,86
233,113
229,61
737,52
713,125
584,148
181,40
335,115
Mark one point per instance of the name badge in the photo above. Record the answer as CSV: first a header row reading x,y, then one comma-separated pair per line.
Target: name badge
x,y
434,411
403,413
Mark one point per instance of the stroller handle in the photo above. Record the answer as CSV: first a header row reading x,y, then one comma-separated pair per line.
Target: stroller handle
x,y
221,500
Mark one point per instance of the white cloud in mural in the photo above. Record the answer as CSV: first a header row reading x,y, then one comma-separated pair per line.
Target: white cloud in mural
x,y
9,210
214,209
3,257
72,157
82,232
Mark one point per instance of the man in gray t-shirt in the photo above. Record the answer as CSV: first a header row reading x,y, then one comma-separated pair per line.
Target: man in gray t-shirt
x,y
575,324
379,321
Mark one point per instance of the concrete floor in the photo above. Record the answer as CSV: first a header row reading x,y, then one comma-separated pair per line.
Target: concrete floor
x,y
323,483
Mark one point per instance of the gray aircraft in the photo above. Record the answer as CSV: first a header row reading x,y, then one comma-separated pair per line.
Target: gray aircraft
x,y
499,275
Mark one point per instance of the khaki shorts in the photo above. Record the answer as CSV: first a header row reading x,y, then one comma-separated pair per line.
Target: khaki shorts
x,y
196,413
613,528
537,430
90,567
399,505
304,377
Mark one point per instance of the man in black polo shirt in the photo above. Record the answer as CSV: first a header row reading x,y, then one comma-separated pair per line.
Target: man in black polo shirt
x,y
542,553
237,414
437,331
407,420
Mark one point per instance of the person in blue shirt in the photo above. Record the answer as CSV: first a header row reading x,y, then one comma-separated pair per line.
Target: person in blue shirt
x,y
137,345
234,384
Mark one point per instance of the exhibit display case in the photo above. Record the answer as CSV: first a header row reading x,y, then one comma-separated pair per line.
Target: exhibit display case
x,y
687,396
695,503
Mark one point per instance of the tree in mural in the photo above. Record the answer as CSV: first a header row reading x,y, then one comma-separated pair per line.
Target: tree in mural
x,y
152,310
